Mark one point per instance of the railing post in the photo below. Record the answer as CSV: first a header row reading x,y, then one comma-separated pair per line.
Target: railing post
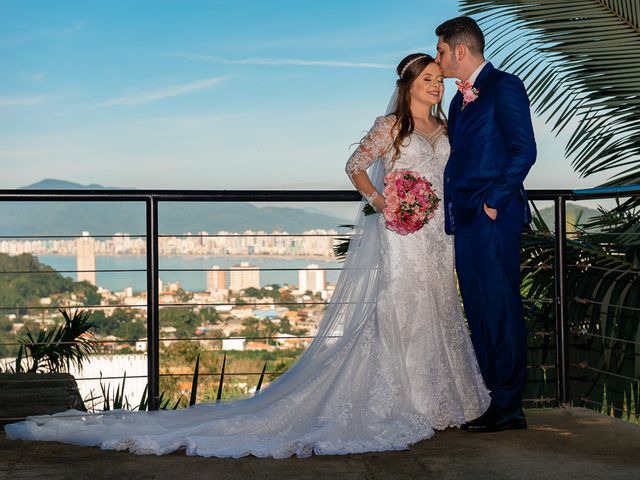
x,y
562,330
153,309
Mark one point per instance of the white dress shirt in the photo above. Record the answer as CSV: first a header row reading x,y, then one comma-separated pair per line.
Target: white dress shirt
x,y
477,71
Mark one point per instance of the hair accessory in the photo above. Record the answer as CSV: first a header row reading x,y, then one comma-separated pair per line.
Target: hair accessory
x,y
409,63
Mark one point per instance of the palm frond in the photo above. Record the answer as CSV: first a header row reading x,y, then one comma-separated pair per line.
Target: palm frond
x,y
221,382
259,386
55,350
194,382
144,399
580,61
603,302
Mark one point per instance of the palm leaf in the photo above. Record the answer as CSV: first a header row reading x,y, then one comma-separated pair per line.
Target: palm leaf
x,y
264,369
194,382
119,399
163,403
603,293
106,397
177,404
341,244
580,61
224,363
18,367
144,400
57,349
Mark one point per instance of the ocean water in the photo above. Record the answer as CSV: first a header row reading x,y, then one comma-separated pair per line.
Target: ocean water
x,y
194,281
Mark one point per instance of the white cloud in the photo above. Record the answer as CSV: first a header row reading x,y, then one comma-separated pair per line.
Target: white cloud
x,y
167,92
279,61
35,35
37,77
76,27
30,101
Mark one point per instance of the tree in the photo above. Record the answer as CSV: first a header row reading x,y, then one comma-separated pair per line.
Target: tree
x,y
209,315
185,320
27,281
580,60
251,327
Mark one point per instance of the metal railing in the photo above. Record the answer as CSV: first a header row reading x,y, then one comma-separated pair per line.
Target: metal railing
x,y
560,198
152,198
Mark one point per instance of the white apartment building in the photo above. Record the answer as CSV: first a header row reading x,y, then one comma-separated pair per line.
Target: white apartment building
x,y
244,276
312,279
86,258
216,279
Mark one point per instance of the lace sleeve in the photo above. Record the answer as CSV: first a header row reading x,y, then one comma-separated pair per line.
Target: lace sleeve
x,y
375,144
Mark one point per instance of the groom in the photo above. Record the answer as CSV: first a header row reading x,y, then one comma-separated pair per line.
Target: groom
x,y
492,150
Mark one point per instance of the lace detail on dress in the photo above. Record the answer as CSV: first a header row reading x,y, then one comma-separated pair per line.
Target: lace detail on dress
x,y
373,146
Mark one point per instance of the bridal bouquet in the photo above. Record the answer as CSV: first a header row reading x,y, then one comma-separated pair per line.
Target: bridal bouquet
x,y
411,202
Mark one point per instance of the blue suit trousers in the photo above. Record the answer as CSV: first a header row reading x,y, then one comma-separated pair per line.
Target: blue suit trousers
x,y
488,267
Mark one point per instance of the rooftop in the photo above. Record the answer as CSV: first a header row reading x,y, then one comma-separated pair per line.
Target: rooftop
x,y
560,443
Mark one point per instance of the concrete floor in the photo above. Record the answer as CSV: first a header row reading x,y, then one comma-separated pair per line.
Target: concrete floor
x,y
560,443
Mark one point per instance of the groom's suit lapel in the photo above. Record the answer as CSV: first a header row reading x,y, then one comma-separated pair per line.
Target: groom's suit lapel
x,y
454,114
464,118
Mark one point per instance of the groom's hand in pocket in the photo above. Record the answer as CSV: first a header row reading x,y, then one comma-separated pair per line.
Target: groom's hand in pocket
x,y
492,213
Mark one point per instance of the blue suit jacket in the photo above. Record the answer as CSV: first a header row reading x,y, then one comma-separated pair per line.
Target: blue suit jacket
x,y
492,149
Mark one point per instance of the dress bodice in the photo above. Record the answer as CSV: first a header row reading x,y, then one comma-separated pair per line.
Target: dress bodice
x,y
420,152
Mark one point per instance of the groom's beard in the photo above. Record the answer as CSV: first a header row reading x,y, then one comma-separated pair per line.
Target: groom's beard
x,y
453,68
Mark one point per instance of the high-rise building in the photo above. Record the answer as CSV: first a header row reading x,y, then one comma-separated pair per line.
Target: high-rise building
x,y
312,278
86,258
244,276
216,279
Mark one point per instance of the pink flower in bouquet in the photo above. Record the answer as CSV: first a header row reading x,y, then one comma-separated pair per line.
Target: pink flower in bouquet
x,y
393,203
410,201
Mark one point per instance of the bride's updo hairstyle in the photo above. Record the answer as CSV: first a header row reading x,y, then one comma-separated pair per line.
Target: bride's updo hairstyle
x,y
409,68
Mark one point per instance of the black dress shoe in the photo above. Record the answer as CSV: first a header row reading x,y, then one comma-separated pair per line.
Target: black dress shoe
x,y
501,420
482,419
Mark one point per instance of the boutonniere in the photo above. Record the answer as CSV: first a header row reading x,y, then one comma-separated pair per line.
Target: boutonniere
x,y
469,92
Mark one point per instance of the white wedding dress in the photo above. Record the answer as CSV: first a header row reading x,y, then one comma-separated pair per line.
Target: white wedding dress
x,y
392,362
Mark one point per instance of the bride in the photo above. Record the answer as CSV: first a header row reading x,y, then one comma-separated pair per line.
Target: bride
x,y
392,362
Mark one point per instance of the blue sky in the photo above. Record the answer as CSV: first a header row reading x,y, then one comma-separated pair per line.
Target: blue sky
x,y
209,94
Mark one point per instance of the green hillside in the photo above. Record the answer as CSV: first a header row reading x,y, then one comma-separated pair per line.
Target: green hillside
x,y
574,212
19,289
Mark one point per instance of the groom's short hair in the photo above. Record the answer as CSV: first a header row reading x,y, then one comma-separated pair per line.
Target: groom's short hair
x,y
462,30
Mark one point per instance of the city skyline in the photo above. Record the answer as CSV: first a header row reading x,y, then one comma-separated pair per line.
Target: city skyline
x,y
202,261
203,95
310,243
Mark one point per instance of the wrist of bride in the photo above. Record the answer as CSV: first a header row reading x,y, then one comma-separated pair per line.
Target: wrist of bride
x,y
380,203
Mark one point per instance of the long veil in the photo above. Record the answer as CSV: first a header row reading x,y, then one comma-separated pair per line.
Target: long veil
x,y
352,305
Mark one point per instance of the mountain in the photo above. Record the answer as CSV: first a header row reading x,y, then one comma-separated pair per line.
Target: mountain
x,y
573,210
100,218
54,184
